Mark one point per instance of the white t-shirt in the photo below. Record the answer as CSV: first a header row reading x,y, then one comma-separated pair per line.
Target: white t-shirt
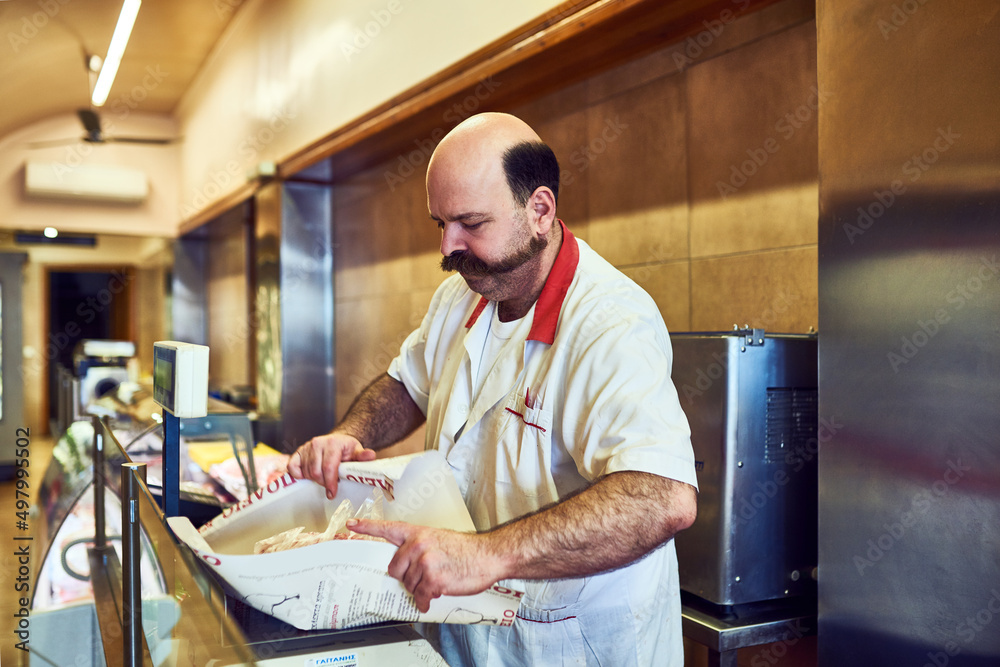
x,y
580,389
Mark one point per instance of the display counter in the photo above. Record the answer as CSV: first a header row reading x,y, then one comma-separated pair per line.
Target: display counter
x,y
116,588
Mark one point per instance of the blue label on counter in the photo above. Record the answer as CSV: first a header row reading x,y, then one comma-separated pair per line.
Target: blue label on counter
x,y
346,660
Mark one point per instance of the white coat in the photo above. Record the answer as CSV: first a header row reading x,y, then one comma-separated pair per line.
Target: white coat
x,y
582,389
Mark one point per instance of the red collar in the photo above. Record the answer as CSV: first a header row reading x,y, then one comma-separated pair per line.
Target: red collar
x,y
550,301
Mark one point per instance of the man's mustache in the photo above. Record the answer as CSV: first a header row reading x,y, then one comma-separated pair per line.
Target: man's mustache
x,y
466,263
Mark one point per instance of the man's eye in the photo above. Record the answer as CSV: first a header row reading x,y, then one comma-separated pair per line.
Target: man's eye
x,y
475,226
440,224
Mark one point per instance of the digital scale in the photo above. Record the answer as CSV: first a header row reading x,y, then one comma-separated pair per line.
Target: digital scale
x,y
180,387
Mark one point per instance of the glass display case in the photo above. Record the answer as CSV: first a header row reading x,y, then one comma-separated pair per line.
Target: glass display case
x,y
95,552
116,588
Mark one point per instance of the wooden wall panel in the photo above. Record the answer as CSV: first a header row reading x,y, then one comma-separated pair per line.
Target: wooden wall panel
x,y
631,140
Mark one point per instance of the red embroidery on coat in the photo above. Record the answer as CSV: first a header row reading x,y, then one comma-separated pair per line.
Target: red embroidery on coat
x,y
524,420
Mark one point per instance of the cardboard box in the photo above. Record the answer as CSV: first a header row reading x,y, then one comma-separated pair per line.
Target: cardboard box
x,y
341,583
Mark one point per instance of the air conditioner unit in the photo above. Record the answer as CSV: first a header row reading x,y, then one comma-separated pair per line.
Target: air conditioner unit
x,y
86,182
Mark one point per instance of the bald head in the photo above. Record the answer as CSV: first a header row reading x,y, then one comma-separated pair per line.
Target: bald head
x,y
488,144
484,137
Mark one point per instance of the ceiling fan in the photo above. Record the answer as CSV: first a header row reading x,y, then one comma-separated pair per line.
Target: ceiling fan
x,y
94,134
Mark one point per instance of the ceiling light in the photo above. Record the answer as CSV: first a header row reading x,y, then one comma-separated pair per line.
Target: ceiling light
x,y
50,232
119,40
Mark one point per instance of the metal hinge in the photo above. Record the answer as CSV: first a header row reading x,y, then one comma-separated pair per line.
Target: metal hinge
x,y
751,337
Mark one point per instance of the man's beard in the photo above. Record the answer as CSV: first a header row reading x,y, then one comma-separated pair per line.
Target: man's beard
x,y
468,264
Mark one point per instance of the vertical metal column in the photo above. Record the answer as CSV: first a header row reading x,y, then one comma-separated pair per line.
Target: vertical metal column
x,y
909,314
189,311
171,464
294,311
100,534
131,551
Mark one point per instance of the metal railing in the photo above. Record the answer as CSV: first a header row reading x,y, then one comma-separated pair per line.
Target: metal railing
x,y
192,608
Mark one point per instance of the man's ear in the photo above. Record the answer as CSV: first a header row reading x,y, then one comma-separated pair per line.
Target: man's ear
x,y
542,209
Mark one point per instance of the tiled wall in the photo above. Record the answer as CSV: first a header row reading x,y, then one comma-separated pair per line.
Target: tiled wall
x,y
696,184
647,154
228,294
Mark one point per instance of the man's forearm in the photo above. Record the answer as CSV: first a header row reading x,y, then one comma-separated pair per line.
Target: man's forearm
x,y
610,524
383,413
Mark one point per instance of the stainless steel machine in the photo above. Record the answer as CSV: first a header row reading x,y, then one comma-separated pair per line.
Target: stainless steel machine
x,y
747,565
751,399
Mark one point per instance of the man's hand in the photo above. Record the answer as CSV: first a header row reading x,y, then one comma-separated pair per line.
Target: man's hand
x,y
432,562
319,459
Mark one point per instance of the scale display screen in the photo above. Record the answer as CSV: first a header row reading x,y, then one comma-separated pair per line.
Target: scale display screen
x,y
180,378
164,361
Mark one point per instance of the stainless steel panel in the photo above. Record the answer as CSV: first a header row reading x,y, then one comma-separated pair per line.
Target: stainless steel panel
x,y
294,312
188,300
267,301
306,312
751,403
909,289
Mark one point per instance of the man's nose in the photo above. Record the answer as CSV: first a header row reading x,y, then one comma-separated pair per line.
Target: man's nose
x,y
452,238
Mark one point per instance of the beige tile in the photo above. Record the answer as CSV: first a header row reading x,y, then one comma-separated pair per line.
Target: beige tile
x,y
757,220
230,324
669,285
633,74
368,334
566,133
776,290
370,241
636,166
424,239
753,146
552,108
714,36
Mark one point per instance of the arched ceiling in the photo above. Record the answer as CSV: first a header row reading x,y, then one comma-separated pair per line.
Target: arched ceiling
x,y
45,44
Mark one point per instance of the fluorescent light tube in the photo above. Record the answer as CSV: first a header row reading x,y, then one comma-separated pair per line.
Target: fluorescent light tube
x,y
119,40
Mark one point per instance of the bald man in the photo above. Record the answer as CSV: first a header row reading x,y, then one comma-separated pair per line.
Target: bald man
x,y
543,375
